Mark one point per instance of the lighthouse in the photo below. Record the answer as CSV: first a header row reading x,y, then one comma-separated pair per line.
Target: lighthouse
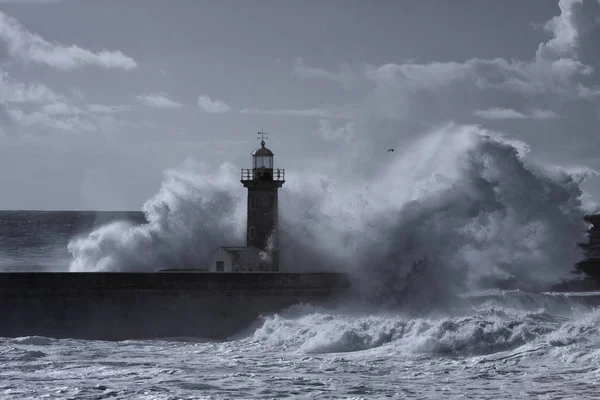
x,y
263,182
261,252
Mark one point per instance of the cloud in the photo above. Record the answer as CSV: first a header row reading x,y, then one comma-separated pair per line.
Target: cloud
x,y
436,92
16,92
30,47
441,91
158,101
33,105
500,113
564,34
544,114
105,109
562,69
314,112
398,102
212,106
220,107
64,117
73,124
61,108
575,32
509,77
328,132
496,113
31,110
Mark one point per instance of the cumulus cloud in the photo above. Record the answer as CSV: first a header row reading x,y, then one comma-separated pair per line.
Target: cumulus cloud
x,y
30,47
212,106
575,32
158,101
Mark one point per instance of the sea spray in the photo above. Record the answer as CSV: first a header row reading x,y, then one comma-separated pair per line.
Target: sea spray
x,y
196,210
459,208
473,214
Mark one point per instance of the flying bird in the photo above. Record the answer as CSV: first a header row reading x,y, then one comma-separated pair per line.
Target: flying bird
x,y
390,150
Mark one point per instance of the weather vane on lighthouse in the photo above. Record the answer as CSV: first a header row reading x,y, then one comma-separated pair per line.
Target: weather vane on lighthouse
x,y
262,135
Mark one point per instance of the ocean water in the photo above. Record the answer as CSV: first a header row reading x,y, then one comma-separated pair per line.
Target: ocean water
x,y
38,240
513,345
449,221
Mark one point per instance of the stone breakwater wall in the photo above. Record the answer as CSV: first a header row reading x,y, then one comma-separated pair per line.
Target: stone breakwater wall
x,y
117,306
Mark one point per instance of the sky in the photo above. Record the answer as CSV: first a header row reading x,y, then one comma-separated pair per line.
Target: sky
x,y
98,98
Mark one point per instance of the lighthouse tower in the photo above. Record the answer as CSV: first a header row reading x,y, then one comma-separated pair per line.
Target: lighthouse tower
x,y
263,182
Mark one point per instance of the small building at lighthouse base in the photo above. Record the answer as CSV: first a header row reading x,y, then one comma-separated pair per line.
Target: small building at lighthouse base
x,y
239,259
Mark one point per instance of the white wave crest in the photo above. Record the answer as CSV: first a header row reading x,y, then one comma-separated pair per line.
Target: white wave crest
x,y
511,322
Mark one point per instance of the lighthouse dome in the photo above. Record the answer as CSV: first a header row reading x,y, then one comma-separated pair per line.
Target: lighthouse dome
x,y
262,152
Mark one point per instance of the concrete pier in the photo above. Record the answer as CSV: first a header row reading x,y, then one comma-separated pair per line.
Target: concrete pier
x,y
118,306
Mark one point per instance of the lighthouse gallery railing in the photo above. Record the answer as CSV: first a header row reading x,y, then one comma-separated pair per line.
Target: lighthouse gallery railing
x,y
258,174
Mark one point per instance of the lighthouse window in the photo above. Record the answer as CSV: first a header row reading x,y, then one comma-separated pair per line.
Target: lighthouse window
x,y
252,202
263,162
251,232
220,267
